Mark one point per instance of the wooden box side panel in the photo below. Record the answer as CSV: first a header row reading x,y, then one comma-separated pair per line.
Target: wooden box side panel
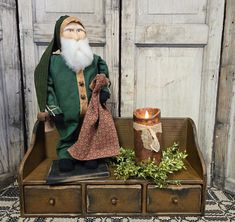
x,y
194,154
51,140
35,153
125,132
196,159
174,130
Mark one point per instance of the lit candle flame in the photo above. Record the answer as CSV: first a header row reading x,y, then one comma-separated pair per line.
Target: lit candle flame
x,y
146,116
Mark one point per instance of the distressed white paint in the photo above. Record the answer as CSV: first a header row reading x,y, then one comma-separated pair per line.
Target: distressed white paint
x,y
149,31
128,68
170,11
89,12
28,48
172,7
37,20
111,50
180,34
224,166
79,6
11,124
169,51
3,132
169,78
209,83
230,160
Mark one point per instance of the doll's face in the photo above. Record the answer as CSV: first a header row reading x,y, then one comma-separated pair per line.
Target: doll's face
x,y
74,31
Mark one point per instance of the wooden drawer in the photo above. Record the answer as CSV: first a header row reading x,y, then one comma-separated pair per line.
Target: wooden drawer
x,y
114,198
50,200
174,199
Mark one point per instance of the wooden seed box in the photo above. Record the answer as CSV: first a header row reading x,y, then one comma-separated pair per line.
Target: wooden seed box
x,y
110,196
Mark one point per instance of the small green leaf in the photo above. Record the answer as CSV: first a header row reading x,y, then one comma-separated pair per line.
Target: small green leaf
x,y
172,161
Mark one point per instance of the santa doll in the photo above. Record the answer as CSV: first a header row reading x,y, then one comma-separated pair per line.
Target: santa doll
x,y
62,80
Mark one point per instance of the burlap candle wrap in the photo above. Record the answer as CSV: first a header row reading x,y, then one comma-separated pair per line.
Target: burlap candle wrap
x,y
147,134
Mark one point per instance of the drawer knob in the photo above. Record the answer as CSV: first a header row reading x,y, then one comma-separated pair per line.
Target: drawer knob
x,y
52,201
114,201
174,200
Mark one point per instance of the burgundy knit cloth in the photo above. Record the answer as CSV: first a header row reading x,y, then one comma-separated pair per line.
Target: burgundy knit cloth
x,y
98,136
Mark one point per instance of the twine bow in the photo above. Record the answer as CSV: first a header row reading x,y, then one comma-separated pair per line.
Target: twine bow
x,y
148,135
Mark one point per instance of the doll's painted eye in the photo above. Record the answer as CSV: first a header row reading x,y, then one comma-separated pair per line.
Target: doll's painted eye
x,y
79,30
68,30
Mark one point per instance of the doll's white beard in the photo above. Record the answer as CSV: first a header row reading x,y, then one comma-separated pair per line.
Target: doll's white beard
x,y
77,54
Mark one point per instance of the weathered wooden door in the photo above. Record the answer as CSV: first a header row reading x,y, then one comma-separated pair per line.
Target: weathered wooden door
x,y
230,163
170,59
11,109
170,52
37,20
230,157
224,150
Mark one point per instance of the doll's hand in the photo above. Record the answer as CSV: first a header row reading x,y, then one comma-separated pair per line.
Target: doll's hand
x,y
43,116
104,96
58,118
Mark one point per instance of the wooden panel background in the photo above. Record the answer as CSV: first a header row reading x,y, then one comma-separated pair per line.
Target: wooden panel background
x,y
224,152
11,111
167,45
164,73
210,78
230,157
170,53
37,20
3,133
170,59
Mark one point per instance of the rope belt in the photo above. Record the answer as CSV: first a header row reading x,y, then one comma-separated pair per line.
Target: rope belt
x,y
148,135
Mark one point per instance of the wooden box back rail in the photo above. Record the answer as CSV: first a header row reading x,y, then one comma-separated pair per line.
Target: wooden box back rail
x,y
110,196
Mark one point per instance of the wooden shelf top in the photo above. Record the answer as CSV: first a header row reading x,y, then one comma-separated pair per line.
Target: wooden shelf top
x,y
39,174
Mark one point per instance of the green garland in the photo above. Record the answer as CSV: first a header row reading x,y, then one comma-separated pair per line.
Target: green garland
x,y
126,167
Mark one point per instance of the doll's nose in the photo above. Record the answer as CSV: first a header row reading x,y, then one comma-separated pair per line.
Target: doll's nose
x,y
77,36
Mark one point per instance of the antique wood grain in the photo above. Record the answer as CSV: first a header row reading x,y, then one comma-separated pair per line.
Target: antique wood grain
x,y
209,81
39,174
11,111
174,130
125,132
224,166
181,34
109,196
114,199
35,154
195,155
184,198
111,51
29,62
46,199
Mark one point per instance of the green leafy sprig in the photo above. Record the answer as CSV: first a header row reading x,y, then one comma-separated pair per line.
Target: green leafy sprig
x,y
172,160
